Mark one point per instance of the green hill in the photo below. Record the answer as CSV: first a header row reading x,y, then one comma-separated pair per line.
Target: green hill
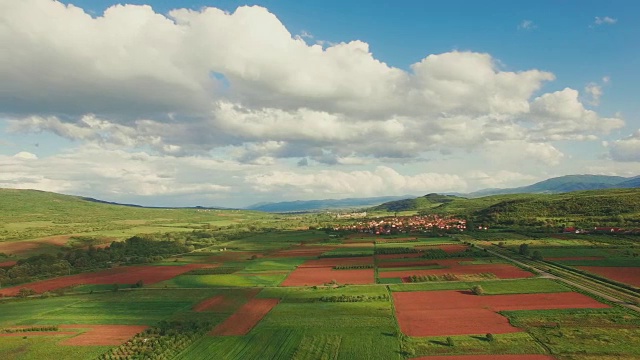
x,y
605,207
30,214
425,202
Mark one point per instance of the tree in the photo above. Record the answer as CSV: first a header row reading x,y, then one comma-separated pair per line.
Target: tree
x,y
24,292
490,337
450,341
524,249
478,290
537,255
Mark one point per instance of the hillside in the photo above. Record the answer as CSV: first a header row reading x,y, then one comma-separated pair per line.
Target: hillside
x,y
610,206
424,202
29,214
564,184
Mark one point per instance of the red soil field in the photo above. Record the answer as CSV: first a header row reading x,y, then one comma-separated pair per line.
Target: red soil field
x,y
575,258
324,262
120,275
307,276
209,303
320,271
19,247
627,275
102,335
502,271
243,320
487,357
442,313
7,263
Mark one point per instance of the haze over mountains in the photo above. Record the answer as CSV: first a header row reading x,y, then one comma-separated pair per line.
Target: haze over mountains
x,y
555,185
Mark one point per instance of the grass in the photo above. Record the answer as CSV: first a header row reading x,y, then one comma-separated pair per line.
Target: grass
x,y
348,252
41,347
491,287
605,332
298,295
222,280
513,343
139,307
389,281
273,345
330,317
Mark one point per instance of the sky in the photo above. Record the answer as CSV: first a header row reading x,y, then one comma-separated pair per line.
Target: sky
x,y
231,103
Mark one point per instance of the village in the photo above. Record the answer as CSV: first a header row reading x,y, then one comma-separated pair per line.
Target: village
x,y
405,224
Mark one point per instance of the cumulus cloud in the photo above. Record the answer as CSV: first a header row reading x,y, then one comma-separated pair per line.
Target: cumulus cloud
x,y
192,81
514,153
606,20
627,149
500,179
361,183
25,155
113,174
560,115
527,25
594,91
201,84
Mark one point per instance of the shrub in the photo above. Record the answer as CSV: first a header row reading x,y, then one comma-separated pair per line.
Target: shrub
x,y
478,290
24,292
450,341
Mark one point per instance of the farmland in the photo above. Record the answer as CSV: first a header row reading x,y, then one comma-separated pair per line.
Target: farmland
x,y
257,286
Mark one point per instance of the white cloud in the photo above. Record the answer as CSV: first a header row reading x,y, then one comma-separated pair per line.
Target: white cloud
x,y
594,91
112,174
157,98
527,25
517,154
24,155
355,183
560,115
627,149
500,179
606,20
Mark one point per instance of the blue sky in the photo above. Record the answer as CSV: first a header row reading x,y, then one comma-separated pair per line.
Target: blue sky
x,y
317,100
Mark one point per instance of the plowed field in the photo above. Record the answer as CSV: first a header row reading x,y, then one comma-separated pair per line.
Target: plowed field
x,y
320,271
627,275
487,357
102,335
441,313
243,320
121,275
502,271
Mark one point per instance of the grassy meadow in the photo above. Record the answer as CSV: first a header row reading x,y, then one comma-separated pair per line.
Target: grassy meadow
x,y
246,256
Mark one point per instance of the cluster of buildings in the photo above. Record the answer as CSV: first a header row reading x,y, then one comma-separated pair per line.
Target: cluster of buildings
x,y
600,230
405,224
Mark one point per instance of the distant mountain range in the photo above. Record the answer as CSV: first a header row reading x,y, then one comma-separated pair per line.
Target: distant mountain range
x,y
314,205
562,184
565,184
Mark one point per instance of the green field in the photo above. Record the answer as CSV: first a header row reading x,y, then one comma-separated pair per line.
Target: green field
x,y
236,260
